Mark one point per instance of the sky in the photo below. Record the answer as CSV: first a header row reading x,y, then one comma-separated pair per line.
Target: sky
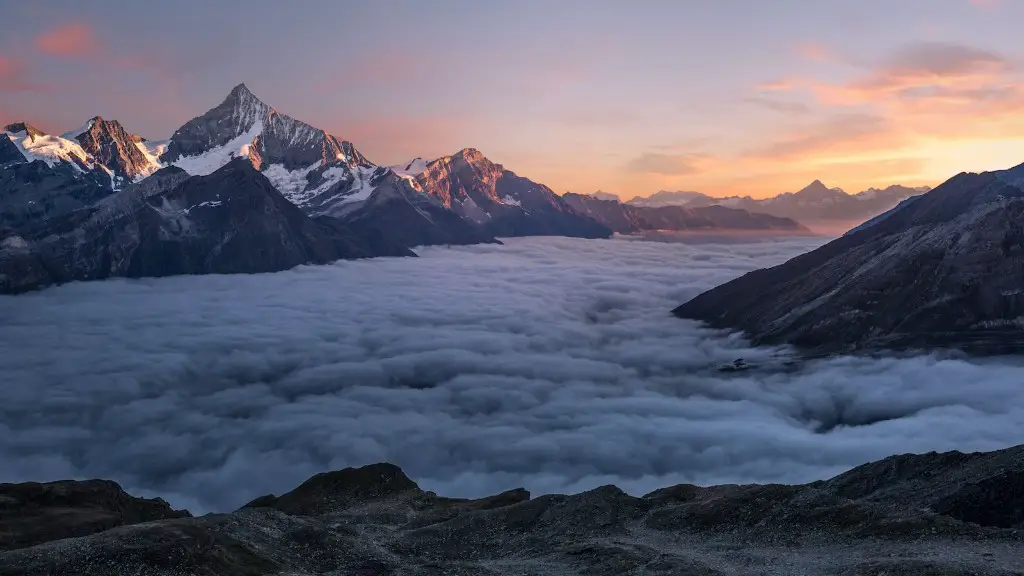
x,y
720,96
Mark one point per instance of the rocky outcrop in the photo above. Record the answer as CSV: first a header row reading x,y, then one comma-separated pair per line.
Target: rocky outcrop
x,y
232,221
109,144
500,201
891,517
33,513
629,219
943,271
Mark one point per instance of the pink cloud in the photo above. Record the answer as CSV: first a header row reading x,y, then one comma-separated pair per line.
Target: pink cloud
x,y
73,41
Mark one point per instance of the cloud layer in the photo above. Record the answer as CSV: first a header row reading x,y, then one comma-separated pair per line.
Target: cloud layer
x,y
546,363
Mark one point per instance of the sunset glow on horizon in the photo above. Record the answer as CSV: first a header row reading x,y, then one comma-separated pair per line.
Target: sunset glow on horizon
x,y
729,97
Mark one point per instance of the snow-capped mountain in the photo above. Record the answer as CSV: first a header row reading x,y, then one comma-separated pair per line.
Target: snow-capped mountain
x,y
499,200
34,144
98,200
815,202
313,169
943,269
42,176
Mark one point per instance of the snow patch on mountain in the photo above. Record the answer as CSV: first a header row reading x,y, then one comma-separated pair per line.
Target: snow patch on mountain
x,y
209,161
50,149
291,183
411,168
151,149
74,134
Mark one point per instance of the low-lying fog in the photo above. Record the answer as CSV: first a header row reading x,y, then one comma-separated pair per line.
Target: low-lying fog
x,y
548,363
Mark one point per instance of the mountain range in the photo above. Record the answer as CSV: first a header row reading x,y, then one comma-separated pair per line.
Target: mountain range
x,y
940,270
631,219
101,201
813,203
935,514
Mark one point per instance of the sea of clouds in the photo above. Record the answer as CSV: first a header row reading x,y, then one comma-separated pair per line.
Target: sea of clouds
x,y
548,363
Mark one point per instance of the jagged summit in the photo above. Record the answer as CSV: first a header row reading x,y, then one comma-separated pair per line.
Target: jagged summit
x,y
109,144
312,168
240,91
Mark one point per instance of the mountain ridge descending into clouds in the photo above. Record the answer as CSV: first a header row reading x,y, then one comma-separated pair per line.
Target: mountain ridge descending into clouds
x,y
630,219
231,221
815,202
945,270
950,513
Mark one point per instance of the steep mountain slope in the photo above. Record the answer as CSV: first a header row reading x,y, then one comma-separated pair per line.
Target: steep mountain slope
x,y
397,211
944,270
935,514
43,176
629,219
231,221
815,202
312,168
107,142
500,201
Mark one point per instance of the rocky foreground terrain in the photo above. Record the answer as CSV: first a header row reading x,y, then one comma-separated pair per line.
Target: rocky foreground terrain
x,y
933,514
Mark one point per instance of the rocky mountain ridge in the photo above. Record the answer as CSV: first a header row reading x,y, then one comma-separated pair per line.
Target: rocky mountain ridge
x,y
949,514
630,219
945,270
231,221
499,200
814,202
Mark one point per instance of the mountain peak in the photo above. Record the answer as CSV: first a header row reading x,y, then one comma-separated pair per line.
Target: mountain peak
x,y
816,185
470,154
243,100
241,90
817,188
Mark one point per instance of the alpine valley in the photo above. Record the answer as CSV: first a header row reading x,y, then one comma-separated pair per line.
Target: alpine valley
x,y
244,188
